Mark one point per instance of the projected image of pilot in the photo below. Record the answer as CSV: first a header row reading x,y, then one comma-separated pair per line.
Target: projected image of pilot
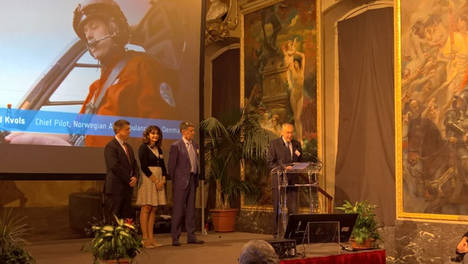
x,y
136,60
130,81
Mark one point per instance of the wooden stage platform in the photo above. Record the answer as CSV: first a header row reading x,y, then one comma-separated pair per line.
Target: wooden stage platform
x,y
219,248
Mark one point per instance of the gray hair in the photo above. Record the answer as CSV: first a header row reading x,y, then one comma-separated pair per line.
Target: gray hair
x,y
186,124
258,252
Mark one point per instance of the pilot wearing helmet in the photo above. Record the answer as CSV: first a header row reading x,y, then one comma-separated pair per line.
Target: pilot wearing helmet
x,y
131,83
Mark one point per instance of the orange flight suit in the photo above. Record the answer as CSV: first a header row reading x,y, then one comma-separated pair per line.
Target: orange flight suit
x,y
134,93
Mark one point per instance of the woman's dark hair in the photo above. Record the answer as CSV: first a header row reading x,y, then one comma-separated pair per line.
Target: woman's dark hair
x,y
148,131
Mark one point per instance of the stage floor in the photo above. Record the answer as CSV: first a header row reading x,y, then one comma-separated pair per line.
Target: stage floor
x,y
218,248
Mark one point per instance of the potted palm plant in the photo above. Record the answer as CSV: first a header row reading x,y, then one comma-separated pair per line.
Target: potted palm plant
x,y
117,243
365,232
12,230
237,140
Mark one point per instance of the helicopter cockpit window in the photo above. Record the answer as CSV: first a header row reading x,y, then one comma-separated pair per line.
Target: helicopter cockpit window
x,y
71,93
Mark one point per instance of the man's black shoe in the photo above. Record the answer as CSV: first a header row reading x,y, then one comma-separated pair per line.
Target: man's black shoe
x,y
176,244
196,242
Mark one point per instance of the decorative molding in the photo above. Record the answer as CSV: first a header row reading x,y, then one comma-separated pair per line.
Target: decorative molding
x,y
218,30
366,7
256,5
222,50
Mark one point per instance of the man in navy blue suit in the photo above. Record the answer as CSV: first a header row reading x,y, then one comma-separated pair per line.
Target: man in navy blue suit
x,y
122,172
184,171
282,153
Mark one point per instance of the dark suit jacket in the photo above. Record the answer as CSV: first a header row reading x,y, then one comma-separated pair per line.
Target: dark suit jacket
x,y
179,164
279,154
119,169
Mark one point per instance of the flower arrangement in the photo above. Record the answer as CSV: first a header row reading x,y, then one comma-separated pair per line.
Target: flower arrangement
x,y
119,242
366,226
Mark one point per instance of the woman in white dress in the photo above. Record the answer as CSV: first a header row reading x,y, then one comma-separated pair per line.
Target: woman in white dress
x,y
151,191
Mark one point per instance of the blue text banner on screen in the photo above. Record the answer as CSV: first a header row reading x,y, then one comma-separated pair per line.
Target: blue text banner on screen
x,y
71,123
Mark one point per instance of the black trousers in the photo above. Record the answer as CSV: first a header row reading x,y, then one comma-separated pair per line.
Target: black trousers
x,y
118,204
291,198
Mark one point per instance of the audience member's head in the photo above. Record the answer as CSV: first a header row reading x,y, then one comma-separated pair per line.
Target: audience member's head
x,y
258,252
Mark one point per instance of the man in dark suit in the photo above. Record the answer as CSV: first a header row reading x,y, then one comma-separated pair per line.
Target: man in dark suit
x,y
282,152
122,172
184,172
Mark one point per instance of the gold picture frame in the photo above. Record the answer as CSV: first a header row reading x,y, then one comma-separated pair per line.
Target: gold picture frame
x,y
259,6
417,105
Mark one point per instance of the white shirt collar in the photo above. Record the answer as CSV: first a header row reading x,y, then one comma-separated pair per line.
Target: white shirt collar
x,y
121,142
186,141
285,142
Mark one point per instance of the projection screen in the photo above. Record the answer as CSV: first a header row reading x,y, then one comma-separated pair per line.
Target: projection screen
x,y
48,77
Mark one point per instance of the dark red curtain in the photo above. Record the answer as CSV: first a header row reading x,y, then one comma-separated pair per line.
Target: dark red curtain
x,y
226,83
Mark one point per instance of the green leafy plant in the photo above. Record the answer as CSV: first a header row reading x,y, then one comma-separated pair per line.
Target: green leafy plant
x,y
113,242
237,139
366,226
12,230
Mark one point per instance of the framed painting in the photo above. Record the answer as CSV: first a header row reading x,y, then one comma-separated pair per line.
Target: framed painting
x,y
280,71
431,103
